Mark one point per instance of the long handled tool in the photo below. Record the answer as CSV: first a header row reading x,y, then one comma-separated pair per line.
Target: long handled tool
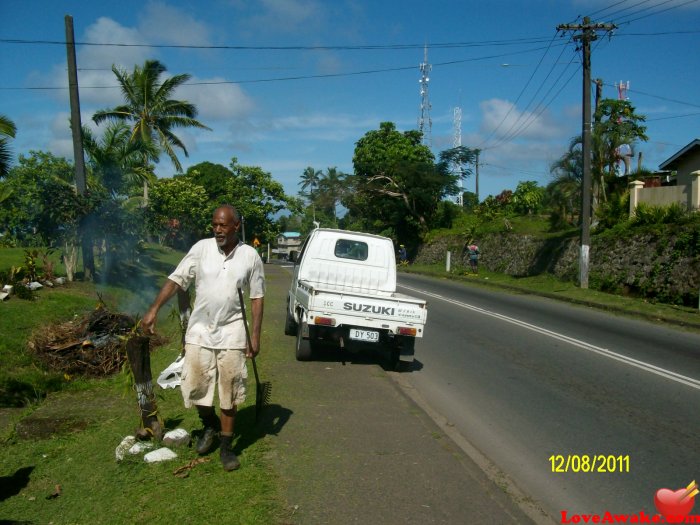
x,y
263,390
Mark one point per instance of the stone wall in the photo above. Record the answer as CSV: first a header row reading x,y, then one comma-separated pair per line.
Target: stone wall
x,y
664,266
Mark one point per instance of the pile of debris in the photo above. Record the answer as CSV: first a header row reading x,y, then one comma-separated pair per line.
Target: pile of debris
x,y
92,346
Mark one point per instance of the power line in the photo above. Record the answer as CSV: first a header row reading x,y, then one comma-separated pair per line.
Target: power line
x,y
672,117
670,8
522,91
378,47
667,99
299,77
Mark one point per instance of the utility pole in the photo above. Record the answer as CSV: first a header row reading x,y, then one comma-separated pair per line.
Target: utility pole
x,y
588,33
78,155
476,175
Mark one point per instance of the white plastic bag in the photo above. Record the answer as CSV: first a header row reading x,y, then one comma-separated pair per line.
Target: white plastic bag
x,y
170,377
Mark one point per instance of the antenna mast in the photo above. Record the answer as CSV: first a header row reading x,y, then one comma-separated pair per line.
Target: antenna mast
x,y
425,124
456,143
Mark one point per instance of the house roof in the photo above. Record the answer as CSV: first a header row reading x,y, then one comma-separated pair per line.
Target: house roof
x,y
672,163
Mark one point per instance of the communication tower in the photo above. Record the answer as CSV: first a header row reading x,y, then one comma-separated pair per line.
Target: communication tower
x,y
457,142
425,124
624,152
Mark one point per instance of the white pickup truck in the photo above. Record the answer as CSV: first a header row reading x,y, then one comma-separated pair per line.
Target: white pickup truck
x,y
344,291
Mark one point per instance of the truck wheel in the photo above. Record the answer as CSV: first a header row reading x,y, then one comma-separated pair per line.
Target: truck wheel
x,y
290,325
405,346
303,347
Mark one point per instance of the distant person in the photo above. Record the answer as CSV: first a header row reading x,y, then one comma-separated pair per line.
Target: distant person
x,y
403,256
474,257
215,342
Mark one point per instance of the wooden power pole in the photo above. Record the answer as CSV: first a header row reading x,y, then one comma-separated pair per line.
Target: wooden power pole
x,y
587,34
78,155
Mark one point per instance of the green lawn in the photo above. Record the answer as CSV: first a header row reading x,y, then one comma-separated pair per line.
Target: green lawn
x,y
67,441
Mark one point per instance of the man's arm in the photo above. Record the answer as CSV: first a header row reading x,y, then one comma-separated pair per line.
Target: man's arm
x,y
257,307
148,323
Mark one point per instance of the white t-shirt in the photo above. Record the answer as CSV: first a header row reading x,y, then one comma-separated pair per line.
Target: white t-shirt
x,y
217,320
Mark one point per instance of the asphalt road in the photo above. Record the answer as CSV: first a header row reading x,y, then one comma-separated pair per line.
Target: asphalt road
x,y
524,379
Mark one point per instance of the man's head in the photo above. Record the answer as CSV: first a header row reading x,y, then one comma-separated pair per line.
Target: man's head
x,y
225,223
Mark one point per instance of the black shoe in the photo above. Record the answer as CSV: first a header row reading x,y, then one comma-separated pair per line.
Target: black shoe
x,y
228,459
206,441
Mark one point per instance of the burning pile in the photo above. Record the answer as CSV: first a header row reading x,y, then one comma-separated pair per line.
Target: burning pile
x,y
92,346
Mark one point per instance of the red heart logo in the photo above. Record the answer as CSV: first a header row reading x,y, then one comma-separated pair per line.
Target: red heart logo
x,y
673,503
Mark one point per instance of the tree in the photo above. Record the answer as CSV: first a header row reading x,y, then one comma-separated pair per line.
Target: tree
x,y
254,193
115,160
527,197
30,186
614,124
7,130
331,188
310,179
390,165
180,212
151,113
564,193
458,160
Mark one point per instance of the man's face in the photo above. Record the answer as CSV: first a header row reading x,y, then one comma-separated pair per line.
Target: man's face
x,y
225,228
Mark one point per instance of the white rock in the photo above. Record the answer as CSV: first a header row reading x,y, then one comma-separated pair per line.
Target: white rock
x,y
140,447
8,288
60,280
34,285
124,447
162,454
4,295
177,437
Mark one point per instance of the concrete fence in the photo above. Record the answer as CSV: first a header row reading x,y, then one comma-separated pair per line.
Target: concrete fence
x,y
688,195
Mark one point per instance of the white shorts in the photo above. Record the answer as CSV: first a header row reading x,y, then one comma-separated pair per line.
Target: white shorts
x,y
206,368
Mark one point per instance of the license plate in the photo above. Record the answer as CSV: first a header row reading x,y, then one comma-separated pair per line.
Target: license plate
x,y
371,336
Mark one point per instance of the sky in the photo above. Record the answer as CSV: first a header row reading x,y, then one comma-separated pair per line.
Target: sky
x,y
286,84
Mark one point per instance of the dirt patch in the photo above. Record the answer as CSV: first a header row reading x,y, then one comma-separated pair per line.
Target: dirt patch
x,y
46,427
65,412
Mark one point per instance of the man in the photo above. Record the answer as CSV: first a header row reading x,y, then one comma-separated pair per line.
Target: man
x,y
474,257
215,341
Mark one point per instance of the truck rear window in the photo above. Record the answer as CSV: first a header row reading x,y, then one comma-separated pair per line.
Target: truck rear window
x,y
347,249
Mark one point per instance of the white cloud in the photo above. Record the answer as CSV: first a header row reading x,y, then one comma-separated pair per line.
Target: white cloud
x,y
288,16
61,141
502,118
165,24
217,101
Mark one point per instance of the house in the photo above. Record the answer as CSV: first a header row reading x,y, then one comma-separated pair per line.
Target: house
x,y
686,165
287,242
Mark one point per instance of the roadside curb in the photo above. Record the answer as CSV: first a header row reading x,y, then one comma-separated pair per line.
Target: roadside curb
x,y
526,504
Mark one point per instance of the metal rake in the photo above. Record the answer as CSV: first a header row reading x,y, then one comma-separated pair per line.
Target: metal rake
x,y
263,390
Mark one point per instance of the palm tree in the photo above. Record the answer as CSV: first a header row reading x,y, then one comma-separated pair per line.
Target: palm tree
x,y
117,160
331,186
310,179
565,190
7,130
151,113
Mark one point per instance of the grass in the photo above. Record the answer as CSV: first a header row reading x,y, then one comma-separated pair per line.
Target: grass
x,y
549,286
94,416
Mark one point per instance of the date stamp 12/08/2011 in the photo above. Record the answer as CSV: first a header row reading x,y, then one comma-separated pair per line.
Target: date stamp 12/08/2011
x,y
589,463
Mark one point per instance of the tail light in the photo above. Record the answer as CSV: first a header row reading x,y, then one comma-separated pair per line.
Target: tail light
x,y
405,330
324,321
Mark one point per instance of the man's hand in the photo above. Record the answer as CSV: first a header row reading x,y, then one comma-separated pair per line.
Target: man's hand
x,y
148,323
255,350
